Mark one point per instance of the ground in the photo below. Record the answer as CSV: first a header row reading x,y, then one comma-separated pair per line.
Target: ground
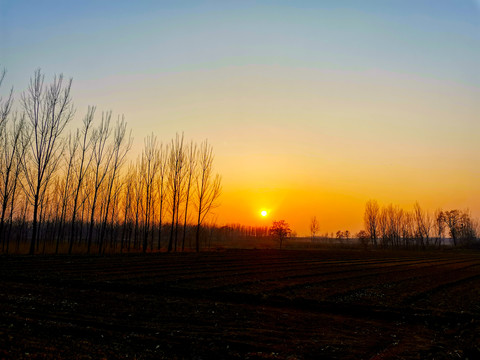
x,y
242,304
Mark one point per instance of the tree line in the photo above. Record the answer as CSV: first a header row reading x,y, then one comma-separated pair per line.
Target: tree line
x,y
79,192
392,226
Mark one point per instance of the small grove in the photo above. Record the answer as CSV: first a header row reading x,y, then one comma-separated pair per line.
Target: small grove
x,y
77,191
393,227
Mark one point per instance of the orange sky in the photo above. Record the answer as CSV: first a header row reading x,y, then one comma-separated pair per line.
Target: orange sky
x,y
321,144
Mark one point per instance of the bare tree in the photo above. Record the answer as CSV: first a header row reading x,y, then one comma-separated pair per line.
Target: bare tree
x,y
371,220
314,226
13,148
5,105
382,227
279,231
10,140
408,228
452,219
393,217
48,110
127,210
102,156
121,146
81,169
468,228
208,188
149,164
192,164
114,224
138,190
161,188
422,225
176,163
363,238
462,229
439,226
66,191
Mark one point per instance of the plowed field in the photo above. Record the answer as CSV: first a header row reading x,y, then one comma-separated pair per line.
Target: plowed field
x,y
242,304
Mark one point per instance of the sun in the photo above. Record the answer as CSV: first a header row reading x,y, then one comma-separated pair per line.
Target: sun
x,y
263,213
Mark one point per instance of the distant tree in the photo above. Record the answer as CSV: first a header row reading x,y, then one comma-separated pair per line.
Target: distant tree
x,y
452,219
423,225
467,229
462,229
439,226
407,228
279,231
346,233
371,220
390,225
383,228
314,226
363,238
340,235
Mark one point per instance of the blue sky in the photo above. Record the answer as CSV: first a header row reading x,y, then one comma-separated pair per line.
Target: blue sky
x,y
102,38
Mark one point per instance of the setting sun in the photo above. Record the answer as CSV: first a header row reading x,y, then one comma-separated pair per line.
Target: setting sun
x,y
263,213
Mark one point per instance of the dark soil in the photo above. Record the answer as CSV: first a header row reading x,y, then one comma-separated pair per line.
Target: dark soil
x,y
242,304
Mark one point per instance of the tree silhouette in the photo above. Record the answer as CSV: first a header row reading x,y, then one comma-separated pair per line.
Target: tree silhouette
x,y
48,110
363,238
66,191
161,188
13,143
176,164
149,163
314,226
279,231
120,147
208,188
371,220
102,156
191,168
81,169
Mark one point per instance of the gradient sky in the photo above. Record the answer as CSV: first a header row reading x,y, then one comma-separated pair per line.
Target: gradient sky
x,y
313,107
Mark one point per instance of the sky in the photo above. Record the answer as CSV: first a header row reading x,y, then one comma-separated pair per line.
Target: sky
x,y
312,107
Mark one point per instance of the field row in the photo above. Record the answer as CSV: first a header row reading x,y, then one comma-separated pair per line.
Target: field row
x,y
381,279
242,304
